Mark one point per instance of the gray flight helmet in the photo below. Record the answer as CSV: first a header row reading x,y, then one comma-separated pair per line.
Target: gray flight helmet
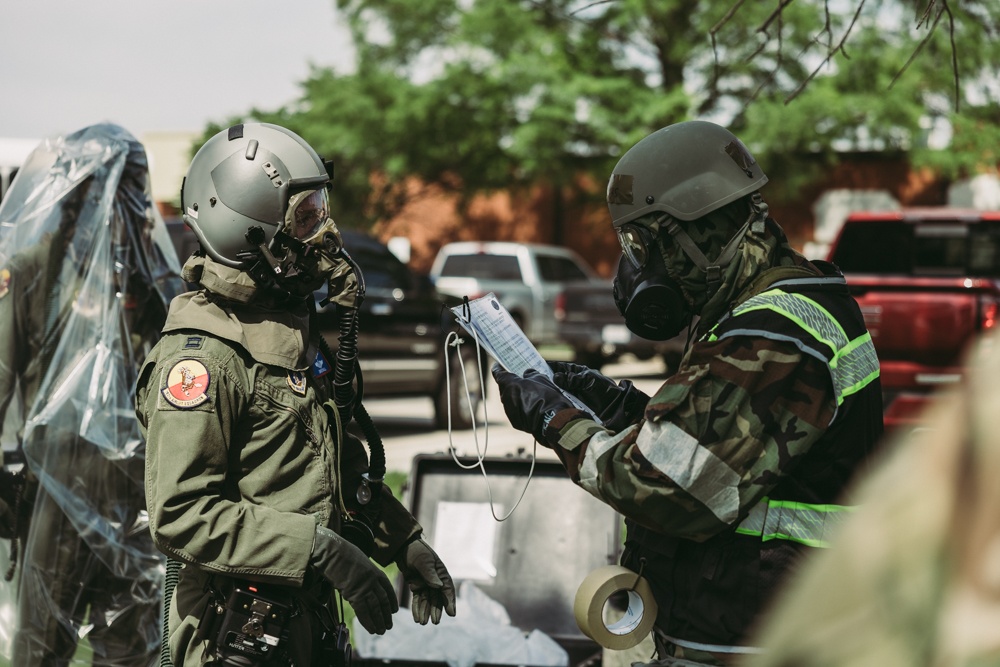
x,y
242,178
686,170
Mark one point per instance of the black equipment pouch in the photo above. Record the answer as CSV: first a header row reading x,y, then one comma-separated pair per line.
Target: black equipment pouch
x,y
254,625
336,647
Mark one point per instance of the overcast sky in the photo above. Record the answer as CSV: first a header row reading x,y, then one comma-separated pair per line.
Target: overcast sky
x,y
157,65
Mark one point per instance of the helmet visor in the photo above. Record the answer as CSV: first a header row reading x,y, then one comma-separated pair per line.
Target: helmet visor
x,y
308,215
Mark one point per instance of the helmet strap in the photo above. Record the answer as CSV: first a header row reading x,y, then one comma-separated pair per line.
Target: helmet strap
x,y
758,215
713,270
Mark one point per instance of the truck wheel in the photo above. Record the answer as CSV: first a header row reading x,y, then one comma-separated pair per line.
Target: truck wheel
x,y
461,411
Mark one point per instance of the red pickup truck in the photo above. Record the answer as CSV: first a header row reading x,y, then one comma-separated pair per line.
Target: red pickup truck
x,y
928,283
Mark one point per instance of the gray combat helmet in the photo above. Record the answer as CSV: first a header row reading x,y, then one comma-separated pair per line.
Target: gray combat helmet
x,y
241,178
685,170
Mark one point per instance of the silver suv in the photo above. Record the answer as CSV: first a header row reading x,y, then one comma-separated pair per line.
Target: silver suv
x,y
527,278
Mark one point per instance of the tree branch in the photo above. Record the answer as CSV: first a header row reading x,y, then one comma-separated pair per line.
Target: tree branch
x,y
714,31
929,18
954,53
926,15
778,62
774,15
920,46
725,19
829,55
592,4
945,9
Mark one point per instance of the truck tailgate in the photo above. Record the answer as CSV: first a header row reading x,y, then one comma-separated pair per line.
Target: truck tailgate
x,y
928,321
592,303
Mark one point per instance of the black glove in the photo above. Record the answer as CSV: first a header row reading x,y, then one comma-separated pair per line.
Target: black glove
x,y
360,581
431,587
618,406
530,401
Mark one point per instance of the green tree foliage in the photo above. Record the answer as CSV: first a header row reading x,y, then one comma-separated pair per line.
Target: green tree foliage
x,y
476,95
880,82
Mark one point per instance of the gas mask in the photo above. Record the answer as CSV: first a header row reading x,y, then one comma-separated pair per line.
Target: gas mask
x,y
303,253
650,301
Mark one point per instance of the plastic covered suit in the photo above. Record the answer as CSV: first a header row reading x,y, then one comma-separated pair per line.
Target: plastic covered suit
x,y
86,272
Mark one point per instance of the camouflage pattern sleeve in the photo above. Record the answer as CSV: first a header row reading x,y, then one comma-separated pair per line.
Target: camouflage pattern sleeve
x,y
717,437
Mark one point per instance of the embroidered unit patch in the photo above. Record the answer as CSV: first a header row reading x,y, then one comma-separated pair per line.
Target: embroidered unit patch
x,y
297,381
187,384
320,366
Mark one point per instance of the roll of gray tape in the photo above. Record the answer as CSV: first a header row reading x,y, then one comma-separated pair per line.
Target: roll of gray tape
x,y
592,596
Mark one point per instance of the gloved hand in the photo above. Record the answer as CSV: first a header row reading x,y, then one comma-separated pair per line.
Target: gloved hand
x,y
530,401
617,405
431,587
360,581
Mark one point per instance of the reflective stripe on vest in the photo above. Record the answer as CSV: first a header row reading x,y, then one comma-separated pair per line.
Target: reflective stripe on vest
x,y
854,363
807,524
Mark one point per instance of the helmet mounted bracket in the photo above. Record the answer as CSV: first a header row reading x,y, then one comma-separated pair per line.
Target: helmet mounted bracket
x,y
256,237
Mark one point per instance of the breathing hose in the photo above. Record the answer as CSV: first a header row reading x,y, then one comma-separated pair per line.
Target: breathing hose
x,y
349,401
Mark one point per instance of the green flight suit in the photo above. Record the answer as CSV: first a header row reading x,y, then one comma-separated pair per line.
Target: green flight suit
x,y
242,462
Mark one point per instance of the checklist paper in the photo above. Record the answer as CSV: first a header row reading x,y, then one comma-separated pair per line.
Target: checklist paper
x,y
487,321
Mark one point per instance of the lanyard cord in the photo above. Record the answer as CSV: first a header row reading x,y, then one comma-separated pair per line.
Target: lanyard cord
x,y
454,340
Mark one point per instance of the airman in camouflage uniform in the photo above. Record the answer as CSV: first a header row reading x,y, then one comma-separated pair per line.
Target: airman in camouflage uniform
x,y
252,480
736,466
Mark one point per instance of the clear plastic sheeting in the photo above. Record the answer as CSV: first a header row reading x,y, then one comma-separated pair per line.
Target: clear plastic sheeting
x,y
87,271
480,633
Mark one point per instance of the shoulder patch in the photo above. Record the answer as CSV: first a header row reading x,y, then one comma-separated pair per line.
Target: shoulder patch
x,y
320,366
4,282
297,381
194,343
187,384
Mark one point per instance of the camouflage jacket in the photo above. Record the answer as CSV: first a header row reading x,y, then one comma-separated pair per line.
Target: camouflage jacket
x,y
725,406
747,404
741,458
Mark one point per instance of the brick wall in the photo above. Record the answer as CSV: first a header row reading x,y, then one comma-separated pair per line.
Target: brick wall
x,y
435,217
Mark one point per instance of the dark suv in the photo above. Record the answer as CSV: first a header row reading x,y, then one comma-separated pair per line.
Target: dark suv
x,y
403,325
